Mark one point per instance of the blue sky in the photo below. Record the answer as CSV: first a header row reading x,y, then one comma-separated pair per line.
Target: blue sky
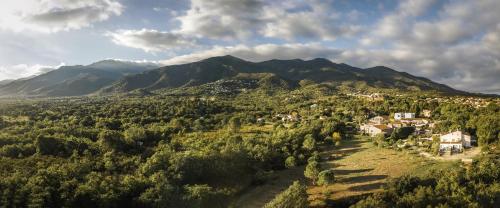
x,y
455,42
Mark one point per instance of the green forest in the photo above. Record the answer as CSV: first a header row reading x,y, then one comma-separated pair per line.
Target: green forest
x,y
195,150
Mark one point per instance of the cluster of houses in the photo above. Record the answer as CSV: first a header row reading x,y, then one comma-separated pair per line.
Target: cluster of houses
x,y
454,142
371,96
475,102
383,125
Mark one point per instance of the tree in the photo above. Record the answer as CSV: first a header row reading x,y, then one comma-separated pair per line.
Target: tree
x,y
293,197
312,170
290,162
46,145
309,143
314,157
336,136
326,177
111,140
134,135
401,133
235,124
488,128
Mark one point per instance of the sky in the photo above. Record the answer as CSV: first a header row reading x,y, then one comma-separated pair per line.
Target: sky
x,y
455,42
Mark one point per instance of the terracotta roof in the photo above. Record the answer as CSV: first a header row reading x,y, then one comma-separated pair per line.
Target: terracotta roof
x,y
382,127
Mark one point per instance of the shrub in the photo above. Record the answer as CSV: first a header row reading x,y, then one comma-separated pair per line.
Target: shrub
x,y
290,162
312,170
293,197
326,177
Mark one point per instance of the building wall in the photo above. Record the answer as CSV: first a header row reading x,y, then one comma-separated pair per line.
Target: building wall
x,y
457,136
398,116
374,131
409,115
444,147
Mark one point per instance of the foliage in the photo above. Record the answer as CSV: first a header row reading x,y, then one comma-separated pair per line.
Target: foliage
x,y
326,177
312,171
189,150
293,197
477,186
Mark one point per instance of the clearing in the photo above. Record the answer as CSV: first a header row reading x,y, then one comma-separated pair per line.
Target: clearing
x,y
360,168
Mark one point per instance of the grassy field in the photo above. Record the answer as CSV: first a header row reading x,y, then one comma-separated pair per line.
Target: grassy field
x,y
362,168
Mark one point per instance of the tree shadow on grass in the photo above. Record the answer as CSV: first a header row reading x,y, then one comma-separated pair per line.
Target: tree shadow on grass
x,y
367,187
346,152
347,172
346,201
363,179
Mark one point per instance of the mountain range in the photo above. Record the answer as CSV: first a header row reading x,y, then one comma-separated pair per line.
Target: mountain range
x,y
74,80
111,76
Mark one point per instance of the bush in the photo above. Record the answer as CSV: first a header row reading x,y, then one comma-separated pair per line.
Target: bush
x,y
309,143
293,197
326,177
312,170
290,162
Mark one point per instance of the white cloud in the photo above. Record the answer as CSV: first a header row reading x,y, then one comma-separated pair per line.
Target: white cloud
x,y
228,20
55,15
458,47
225,19
150,40
313,19
24,70
259,53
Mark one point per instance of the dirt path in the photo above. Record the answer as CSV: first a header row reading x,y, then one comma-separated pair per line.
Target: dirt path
x,y
468,154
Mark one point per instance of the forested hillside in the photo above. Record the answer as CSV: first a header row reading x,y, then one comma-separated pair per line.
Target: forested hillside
x,y
315,70
116,77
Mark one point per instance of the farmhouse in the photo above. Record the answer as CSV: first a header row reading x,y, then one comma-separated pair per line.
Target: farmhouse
x,y
377,120
454,141
373,130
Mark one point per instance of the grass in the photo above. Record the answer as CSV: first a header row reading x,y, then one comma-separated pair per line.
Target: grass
x,y
362,168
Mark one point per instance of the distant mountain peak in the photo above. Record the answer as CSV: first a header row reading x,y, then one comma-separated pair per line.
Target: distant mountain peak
x,y
225,58
321,60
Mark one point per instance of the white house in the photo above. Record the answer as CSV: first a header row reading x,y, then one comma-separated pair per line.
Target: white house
x,y
454,141
377,120
399,116
373,130
409,115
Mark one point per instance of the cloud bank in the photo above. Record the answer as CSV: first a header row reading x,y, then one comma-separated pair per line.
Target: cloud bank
x,y
55,15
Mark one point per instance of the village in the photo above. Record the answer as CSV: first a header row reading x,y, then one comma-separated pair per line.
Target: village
x,y
421,134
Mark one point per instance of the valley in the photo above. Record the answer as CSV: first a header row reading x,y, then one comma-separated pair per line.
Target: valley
x,y
249,140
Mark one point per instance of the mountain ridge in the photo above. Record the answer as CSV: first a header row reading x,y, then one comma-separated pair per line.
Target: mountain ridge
x,y
112,76
318,70
74,80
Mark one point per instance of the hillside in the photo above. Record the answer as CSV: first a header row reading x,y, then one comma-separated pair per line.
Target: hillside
x,y
224,72
74,80
4,82
316,70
